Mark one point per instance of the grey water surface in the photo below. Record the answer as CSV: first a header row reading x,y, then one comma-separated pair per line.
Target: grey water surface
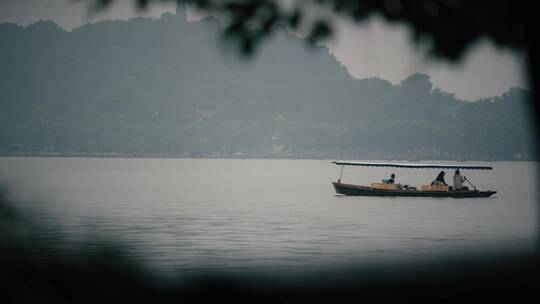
x,y
227,214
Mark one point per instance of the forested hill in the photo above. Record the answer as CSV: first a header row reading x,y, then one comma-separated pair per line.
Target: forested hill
x,y
148,86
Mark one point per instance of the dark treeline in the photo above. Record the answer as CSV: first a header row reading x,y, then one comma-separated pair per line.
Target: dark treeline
x,y
149,86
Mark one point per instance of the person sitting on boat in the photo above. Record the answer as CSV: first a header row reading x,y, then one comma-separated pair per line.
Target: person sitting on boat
x,y
458,181
391,180
439,180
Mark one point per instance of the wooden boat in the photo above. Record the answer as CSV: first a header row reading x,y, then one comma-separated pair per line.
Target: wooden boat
x,y
395,190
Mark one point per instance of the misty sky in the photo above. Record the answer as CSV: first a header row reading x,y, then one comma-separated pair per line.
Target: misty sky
x,y
375,49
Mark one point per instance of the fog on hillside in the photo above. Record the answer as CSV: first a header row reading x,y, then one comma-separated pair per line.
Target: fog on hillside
x,y
166,87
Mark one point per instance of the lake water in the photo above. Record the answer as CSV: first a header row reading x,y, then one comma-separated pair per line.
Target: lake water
x,y
226,214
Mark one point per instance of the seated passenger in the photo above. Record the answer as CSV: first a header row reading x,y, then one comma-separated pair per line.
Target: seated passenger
x,y
458,181
391,180
439,180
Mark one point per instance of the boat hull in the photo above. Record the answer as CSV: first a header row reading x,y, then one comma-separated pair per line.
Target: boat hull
x,y
355,190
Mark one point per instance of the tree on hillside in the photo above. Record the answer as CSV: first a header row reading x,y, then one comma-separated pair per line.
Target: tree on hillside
x,y
418,83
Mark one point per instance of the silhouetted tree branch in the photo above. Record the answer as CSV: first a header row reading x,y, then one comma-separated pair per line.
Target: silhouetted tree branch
x,y
448,26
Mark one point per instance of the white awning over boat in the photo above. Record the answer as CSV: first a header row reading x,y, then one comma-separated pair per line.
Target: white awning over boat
x,y
410,166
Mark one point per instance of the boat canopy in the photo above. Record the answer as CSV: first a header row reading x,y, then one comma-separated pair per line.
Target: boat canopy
x,y
410,166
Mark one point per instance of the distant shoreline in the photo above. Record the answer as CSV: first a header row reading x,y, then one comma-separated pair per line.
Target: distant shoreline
x,y
246,156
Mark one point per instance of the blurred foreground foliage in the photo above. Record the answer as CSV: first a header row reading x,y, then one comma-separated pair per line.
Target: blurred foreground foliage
x,y
448,26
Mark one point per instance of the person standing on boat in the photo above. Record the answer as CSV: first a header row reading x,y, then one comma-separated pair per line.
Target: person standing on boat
x,y
459,180
439,180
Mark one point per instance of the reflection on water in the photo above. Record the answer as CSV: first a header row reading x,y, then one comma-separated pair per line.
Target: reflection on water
x,y
192,214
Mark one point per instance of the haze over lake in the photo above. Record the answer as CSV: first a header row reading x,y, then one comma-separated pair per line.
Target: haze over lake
x,y
187,215
188,156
